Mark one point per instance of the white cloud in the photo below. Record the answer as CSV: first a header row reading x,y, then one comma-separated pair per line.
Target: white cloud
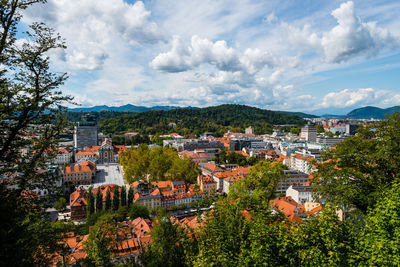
x,y
92,28
199,52
352,37
359,97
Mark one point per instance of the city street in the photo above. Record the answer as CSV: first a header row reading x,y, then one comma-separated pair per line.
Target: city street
x,y
110,173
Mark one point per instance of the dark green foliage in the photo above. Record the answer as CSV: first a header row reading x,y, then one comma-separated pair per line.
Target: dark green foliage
x,y
361,167
61,204
324,241
159,164
90,202
217,119
123,196
115,200
99,244
29,96
121,214
225,157
130,196
224,237
166,248
136,211
108,201
379,242
259,187
99,201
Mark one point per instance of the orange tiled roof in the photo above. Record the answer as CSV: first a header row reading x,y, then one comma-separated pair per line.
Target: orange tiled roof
x,y
212,167
298,156
288,206
78,197
162,184
206,179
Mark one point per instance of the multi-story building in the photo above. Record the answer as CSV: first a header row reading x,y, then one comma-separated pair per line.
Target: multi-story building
x,y
330,140
64,156
151,201
193,144
309,133
85,134
351,129
301,163
83,173
78,204
300,194
207,184
292,178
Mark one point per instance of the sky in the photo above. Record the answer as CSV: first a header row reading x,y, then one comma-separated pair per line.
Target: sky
x,y
319,56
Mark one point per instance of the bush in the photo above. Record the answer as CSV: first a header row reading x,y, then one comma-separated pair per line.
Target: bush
x,y
61,204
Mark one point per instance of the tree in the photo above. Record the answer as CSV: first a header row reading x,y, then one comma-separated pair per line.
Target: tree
x,y
223,237
324,241
99,243
319,128
99,200
259,187
183,170
378,244
361,167
90,202
166,248
108,201
123,196
61,204
136,211
28,96
115,200
130,196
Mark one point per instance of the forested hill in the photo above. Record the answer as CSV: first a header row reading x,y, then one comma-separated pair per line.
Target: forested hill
x,y
371,112
217,119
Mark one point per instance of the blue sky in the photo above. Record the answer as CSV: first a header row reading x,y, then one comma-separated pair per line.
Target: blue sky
x,y
313,55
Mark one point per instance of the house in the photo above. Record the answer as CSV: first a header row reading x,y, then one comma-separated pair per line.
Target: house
x,y
89,153
83,173
140,226
207,184
196,157
292,210
78,204
210,169
294,178
140,187
300,194
151,201
227,178
63,156
301,163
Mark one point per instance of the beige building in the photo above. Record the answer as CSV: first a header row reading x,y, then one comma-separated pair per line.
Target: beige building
x,y
83,173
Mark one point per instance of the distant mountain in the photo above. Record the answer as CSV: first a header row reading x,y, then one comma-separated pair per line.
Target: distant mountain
x,y
124,108
371,112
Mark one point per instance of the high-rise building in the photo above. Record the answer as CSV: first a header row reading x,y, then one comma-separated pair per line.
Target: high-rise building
x,y
309,132
85,133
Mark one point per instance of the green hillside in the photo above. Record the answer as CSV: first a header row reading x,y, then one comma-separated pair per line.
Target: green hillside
x,y
217,119
371,112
